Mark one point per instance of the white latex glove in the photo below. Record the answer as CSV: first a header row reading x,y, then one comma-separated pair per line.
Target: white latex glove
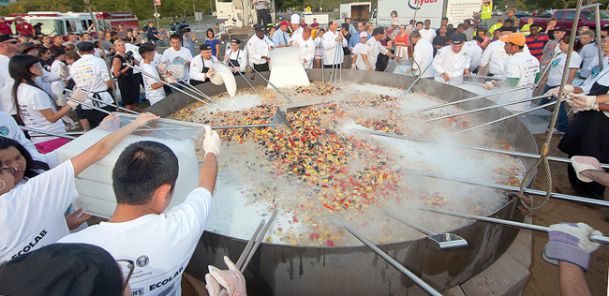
x,y
582,102
61,100
211,143
225,282
111,122
78,96
489,84
585,163
567,90
210,72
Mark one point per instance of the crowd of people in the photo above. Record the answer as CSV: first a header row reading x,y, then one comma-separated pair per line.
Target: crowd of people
x,y
43,79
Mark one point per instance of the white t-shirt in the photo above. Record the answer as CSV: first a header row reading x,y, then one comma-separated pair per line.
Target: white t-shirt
x,y
152,95
6,87
32,214
177,61
359,50
10,129
428,35
589,55
557,66
90,74
31,101
161,245
525,67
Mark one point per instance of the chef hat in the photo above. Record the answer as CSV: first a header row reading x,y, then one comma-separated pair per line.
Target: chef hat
x,y
295,19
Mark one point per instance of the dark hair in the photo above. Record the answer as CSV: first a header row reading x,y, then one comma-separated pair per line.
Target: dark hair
x,y
85,46
576,45
141,169
19,69
378,31
73,55
42,50
146,48
415,34
32,167
175,36
419,23
57,51
210,30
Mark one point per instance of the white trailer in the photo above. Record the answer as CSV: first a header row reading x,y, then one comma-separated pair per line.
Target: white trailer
x,y
434,10
357,11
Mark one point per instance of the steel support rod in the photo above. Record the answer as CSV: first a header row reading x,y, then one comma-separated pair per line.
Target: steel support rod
x,y
409,89
579,199
484,149
413,277
243,76
259,240
466,100
597,238
109,104
599,39
32,129
488,108
503,118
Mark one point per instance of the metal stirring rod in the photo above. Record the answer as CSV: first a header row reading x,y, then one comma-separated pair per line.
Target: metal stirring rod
x,y
597,238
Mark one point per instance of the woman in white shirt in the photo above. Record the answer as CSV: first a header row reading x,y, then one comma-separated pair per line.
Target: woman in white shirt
x,y
554,78
34,106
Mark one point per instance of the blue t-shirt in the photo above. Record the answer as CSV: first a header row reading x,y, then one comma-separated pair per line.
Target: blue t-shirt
x,y
151,32
212,43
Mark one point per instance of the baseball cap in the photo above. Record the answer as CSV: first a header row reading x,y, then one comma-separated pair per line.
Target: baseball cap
x,y
457,39
514,38
235,40
507,29
534,25
363,34
26,46
284,23
560,28
258,28
205,47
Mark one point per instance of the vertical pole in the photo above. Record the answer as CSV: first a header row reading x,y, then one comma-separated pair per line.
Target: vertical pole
x,y
155,13
599,40
194,9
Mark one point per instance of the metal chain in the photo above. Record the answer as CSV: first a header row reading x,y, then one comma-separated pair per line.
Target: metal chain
x,y
545,149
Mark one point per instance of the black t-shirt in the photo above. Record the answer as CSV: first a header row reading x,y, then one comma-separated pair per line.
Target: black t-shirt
x,y
150,32
440,41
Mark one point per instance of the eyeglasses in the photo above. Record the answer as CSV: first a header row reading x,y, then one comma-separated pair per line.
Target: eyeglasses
x,y
126,267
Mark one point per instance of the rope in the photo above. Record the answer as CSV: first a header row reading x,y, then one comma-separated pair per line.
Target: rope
x,y
545,149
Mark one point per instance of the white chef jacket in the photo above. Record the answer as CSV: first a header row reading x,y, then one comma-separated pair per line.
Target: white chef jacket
x,y
374,49
306,49
6,87
296,34
90,74
196,67
256,49
474,51
428,35
239,55
452,63
423,57
494,57
359,50
330,45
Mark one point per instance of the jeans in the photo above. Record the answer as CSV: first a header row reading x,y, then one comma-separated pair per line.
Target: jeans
x,y
562,124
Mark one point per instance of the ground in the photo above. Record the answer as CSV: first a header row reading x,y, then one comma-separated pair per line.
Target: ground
x,y
544,279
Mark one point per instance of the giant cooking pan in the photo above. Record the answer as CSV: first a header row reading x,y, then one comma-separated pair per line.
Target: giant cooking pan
x,y
290,270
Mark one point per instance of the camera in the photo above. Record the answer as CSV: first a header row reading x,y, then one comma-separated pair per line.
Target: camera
x,y
129,56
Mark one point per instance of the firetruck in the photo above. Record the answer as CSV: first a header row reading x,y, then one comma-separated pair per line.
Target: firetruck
x,y
64,23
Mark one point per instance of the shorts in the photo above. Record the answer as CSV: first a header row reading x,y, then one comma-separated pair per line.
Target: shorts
x,y
80,113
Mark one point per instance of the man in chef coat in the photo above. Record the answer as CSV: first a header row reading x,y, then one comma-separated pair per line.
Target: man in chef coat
x,y
235,57
452,61
201,67
258,50
306,47
333,42
492,62
295,26
376,48
422,55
